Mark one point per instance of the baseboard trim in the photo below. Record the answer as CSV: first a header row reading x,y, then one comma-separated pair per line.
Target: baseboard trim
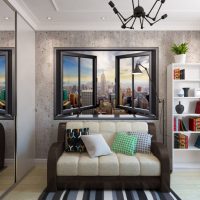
x,y
9,161
186,166
40,161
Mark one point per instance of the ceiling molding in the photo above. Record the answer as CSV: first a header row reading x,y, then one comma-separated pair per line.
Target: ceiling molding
x,y
25,12
53,2
115,27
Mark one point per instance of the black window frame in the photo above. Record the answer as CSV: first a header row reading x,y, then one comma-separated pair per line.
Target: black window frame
x,y
9,112
57,104
59,83
153,101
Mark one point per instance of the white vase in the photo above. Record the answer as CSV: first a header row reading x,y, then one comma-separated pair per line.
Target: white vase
x,y
180,58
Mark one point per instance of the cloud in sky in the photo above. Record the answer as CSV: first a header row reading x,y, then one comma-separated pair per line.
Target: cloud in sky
x,y
106,64
2,69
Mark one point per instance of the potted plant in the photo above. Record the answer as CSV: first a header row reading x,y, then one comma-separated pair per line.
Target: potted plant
x,y
180,52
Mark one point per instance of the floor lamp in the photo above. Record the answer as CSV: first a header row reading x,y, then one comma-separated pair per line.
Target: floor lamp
x,y
136,71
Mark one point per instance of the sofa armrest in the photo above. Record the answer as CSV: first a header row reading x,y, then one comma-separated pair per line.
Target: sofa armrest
x,y
55,152
161,152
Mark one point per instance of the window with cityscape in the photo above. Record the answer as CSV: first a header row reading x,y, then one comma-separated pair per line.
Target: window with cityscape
x,y
6,83
101,83
3,61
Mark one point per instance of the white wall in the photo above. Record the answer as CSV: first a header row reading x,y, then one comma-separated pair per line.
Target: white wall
x,y
25,98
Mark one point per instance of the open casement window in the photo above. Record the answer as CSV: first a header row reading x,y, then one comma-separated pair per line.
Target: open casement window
x,y
136,93
6,83
76,85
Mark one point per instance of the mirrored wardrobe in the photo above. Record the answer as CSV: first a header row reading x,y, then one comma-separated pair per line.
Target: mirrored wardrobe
x,y
7,97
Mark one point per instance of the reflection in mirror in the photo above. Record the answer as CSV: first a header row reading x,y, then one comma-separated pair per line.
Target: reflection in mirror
x,y
7,127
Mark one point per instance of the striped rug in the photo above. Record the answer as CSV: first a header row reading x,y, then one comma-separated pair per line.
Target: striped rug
x,y
108,195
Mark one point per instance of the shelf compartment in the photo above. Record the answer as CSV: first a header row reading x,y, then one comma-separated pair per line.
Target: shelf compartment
x,y
186,115
187,80
189,149
187,132
186,98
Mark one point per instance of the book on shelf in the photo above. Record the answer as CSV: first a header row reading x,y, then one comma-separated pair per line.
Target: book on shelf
x,y
197,109
194,123
179,74
179,125
197,143
180,141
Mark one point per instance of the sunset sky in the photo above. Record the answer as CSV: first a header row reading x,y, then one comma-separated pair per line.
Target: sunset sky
x,y
106,64
2,71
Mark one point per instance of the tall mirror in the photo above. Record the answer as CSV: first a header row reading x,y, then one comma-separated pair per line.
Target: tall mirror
x,y
7,94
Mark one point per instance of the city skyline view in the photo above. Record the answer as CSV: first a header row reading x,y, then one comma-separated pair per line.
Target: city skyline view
x,y
105,80
2,81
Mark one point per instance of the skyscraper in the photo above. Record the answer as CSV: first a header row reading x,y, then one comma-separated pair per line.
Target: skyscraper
x,y
87,100
103,84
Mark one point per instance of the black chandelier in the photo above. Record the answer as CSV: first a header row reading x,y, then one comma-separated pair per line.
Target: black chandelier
x,y
138,12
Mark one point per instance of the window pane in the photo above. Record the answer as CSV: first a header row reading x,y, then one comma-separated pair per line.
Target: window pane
x,y
141,84
70,82
86,82
125,93
3,82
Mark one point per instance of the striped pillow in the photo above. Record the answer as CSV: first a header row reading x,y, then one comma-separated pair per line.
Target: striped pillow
x,y
143,142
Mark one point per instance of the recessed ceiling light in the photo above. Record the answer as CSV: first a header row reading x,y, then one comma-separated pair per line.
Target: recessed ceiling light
x,y
49,18
103,18
6,18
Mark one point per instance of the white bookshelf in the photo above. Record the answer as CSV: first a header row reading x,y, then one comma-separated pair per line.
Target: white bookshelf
x,y
183,158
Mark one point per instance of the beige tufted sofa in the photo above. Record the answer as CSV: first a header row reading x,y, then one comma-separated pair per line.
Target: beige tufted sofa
x,y
78,170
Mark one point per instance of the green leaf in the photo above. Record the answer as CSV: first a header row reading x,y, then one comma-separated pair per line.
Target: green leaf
x,y
180,49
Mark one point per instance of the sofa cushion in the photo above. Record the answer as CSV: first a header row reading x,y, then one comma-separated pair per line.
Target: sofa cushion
x,y
96,145
109,129
149,164
80,164
88,166
128,165
67,164
73,141
109,165
143,142
124,143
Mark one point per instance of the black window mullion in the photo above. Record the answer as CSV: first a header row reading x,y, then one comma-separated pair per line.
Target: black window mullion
x,y
133,84
94,79
60,83
79,82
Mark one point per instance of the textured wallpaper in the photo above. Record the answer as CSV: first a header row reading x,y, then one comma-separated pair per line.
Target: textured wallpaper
x,y
46,126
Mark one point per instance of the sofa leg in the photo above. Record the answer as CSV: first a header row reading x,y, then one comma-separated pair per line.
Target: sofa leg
x,y
51,187
165,187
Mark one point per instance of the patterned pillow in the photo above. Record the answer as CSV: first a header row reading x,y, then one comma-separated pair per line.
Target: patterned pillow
x,y
73,141
143,143
124,143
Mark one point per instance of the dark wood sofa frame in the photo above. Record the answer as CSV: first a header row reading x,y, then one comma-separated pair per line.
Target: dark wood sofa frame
x,y
55,182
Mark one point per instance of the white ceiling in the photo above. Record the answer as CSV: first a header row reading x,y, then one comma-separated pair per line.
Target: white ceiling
x,y
7,17
87,14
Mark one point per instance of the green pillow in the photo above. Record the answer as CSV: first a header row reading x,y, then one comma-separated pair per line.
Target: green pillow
x,y
124,143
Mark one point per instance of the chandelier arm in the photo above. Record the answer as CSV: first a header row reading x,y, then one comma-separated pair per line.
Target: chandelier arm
x,y
122,16
152,8
140,22
157,12
133,6
156,21
130,18
118,14
148,21
132,26
142,25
